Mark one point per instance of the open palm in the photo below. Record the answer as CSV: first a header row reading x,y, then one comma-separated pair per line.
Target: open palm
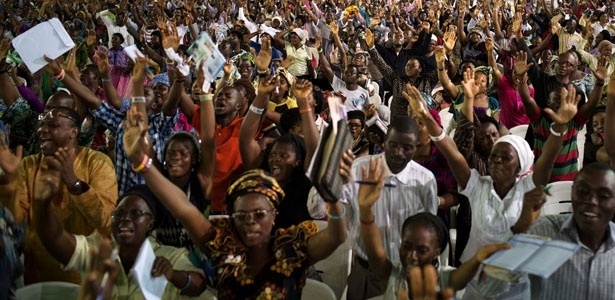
x,y
568,107
371,183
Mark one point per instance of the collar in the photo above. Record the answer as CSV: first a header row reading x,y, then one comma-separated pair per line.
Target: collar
x,y
569,228
403,176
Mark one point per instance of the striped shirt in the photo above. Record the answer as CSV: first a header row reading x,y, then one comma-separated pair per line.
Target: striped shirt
x,y
587,275
566,164
411,191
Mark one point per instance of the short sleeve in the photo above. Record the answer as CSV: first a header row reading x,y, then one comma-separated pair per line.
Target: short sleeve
x,y
473,186
80,261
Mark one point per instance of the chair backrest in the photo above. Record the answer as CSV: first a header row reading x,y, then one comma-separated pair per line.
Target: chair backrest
x,y
519,130
51,290
316,290
335,268
559,202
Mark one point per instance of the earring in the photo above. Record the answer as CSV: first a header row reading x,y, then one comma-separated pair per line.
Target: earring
x,y
164,164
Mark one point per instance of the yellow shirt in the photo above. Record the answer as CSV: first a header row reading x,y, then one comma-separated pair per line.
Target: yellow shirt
x,y
125,286
80,214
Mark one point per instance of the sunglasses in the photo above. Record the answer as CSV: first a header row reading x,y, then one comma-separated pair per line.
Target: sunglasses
x,y
257,215
132,214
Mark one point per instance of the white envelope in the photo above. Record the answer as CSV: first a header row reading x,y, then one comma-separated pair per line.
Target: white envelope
x,y
47,38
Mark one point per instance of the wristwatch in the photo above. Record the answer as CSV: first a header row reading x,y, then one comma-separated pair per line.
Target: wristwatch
x,y
78,188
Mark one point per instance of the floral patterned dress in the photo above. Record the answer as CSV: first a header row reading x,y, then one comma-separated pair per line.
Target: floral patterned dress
x,y
283,277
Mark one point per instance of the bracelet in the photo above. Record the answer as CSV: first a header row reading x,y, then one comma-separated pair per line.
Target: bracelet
x,y
319,50
60,76
206,97
305,110
555,133
227,81
441,69
438,138
148,165
338,217
370,222
170,67
187,282
256,110
105,80
141,166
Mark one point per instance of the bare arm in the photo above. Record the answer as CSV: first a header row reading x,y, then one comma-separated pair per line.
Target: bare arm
x,y
446,82
208,141
609,122
460,277
76,87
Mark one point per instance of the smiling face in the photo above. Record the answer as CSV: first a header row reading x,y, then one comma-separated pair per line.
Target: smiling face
x,y
253,217
246,69
419,246
399,149
503,162
57,129
132,221
593,200
413,68
598,122
282,161
179,158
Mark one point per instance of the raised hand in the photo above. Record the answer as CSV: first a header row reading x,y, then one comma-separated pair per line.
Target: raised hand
x,y
486,251
228,68
266,85
517,22
521,65
416,102
138,71
334,28
53,66
423,285
46,185
470,88
103,63
568,106
531,209
91,39
440,56
263,59
369,38
103,273
302,90
136,137
371,183
346,165
10,162
450,38
170,38
63,161
602,69
489,44
70,64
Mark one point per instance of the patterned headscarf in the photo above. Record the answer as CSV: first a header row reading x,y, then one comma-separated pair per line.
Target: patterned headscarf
x,y
162,78
258,182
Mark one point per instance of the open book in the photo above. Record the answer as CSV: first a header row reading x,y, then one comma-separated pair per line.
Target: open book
x,y
324,169
534,255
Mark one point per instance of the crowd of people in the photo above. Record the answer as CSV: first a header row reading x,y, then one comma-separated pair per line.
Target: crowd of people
x,y
102,153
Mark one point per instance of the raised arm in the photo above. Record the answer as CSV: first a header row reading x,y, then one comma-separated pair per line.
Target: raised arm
x,y
565,113
446,82
369,192
8,92
521,67
105,69
456,161
302,89
600,73
251,153
77,88
59,242
491,58
463,275
338,43
208,141
383,67
136,139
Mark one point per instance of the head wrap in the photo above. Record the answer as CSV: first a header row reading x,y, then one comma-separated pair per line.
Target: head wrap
x,y
302,34
143,192
255,181
524,152
248,57
287,75
162,78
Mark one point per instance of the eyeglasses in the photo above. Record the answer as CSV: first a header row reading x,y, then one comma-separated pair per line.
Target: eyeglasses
x,y
133,214
565,64
53,111
257,215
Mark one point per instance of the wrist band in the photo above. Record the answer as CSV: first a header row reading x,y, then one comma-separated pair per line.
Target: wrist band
x,y
148,165
170,67
305,110
140,167
372,221
555,133
338,217
60,76
105,80
438,138
263,72
256,110
206,97
187,282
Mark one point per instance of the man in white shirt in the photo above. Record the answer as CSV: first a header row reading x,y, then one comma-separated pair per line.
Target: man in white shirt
x,y
409,189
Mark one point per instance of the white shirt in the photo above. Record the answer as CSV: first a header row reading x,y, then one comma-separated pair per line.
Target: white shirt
x,y
411,191
354,99
492,216
112,29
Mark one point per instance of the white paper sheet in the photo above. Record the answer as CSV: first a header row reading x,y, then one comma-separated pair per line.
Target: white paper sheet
x,y
151,287
47,38
133,52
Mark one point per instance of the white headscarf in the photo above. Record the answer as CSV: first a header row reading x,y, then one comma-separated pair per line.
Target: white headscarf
x,y
524,152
